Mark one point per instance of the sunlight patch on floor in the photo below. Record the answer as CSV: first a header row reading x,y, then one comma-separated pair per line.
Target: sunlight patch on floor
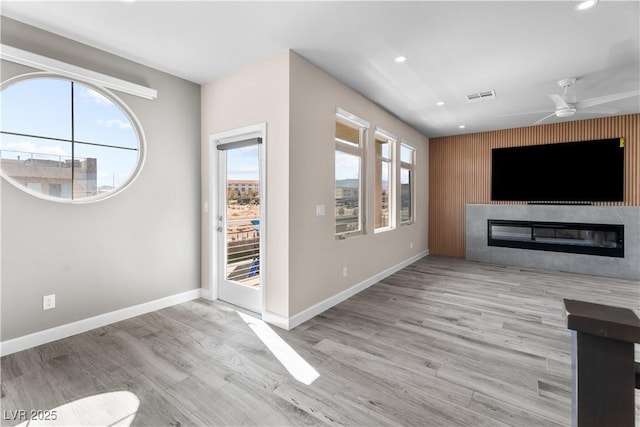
x,y
290,359
116,408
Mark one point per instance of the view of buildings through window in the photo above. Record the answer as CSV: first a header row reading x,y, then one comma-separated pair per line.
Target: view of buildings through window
x,y
407,163
65,140
349,139
243,215
384,182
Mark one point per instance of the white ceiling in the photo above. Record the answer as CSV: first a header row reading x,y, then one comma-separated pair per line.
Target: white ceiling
x,y
519,49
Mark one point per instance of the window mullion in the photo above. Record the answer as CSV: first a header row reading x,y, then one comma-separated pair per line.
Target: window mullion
x,y
349,149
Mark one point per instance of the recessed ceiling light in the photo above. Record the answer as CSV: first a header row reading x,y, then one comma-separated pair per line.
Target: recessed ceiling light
x,y
586,4
440,103
461,127
400,58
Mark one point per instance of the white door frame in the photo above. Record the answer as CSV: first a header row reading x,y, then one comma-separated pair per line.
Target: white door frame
x,y
216,191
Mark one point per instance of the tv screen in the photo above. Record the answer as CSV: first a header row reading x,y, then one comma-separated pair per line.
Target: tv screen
x,y
585,171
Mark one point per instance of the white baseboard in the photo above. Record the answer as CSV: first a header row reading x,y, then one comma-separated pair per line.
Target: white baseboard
x,y
48,335
53,334
276,320
303,316
206,294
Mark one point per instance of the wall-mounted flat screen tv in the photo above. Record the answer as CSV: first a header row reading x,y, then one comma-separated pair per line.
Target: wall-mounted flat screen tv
x,y
585,171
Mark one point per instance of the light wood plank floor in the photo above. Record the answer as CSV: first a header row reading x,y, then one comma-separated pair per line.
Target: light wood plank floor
x,y
443,342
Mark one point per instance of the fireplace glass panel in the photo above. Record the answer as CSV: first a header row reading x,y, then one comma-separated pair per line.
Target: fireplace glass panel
x,y
511,233
567,236
593,239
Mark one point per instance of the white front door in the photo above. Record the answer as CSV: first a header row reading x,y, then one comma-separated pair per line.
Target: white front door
x,y
240,218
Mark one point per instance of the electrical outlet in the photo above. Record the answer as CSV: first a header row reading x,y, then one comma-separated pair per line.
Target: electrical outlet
x,y
49,302
344,271
411,245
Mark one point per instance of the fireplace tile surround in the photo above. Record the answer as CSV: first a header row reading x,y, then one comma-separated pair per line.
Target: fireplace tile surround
x,y
627,267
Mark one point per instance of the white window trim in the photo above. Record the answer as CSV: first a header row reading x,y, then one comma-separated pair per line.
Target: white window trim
x,y
73,72
359,151
351,118
412,185
392,178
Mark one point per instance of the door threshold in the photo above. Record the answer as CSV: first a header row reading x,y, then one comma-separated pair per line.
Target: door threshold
x,y
240,309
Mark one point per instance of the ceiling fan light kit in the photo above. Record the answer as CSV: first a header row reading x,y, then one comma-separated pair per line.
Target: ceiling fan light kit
x,y
565,83
565,112
583,5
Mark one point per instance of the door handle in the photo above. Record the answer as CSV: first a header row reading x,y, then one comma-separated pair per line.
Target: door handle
x,y
221,219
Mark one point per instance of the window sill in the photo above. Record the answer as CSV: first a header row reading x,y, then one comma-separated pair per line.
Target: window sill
x,y
344,236
382,230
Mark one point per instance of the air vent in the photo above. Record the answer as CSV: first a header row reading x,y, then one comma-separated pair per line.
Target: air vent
x,y
481,96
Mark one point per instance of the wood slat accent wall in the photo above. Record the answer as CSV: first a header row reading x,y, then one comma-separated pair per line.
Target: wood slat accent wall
x,y
460,170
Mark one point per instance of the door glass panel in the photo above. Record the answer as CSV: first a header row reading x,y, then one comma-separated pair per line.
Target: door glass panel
x,y
243,216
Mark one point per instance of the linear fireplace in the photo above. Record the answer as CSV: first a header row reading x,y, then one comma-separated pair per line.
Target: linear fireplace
x,y
580,238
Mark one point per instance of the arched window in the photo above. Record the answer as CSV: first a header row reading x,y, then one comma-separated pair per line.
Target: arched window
x,y
66,140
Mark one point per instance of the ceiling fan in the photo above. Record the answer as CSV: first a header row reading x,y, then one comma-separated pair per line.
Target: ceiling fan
x,y
567,105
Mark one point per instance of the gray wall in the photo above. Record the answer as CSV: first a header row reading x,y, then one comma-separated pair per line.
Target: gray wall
x,y
254,94
316,257
137,246
476,217
304,260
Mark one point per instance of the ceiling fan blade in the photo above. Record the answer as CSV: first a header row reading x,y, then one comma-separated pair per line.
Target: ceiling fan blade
x,y
561,104
544,118
525,113
591,102
599,110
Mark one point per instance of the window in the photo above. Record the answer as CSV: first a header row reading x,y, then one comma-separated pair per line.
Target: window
x,y
349,190
407,177
384,182
66,141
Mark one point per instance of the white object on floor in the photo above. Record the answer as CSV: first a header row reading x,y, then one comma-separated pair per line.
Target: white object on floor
x,y
116,408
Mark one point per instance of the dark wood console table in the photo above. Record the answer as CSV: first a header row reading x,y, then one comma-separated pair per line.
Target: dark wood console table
x,y
604,372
